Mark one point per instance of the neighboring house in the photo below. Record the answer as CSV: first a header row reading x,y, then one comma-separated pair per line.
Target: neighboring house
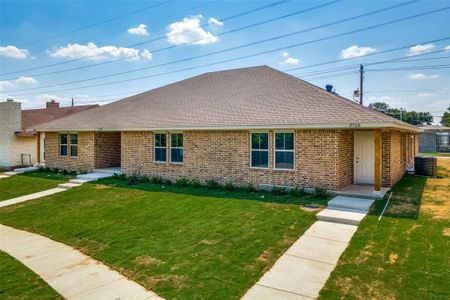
x,y
434,138
20,145
253,125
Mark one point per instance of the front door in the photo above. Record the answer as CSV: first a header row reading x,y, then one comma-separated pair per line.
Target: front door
x,y
364,157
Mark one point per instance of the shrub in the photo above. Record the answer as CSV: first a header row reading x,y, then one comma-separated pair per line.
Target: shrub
x,y
278,190
250,188
195,183
297,192
212,184
73,173
145,179
182,182
229,185
156,179
167,181
320,193
65,172
133,180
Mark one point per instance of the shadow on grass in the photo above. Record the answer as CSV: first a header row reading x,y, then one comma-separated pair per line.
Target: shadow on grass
x,y
405,201
48,175
202,191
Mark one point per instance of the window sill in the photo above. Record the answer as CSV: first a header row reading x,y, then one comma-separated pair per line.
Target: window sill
x,y
160,162
176,163
259,168
284,170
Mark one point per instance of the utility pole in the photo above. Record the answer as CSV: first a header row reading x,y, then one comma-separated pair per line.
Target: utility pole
x,y
361,79
72,101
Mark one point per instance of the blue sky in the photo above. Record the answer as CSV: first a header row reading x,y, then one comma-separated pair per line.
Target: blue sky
x,y
129,35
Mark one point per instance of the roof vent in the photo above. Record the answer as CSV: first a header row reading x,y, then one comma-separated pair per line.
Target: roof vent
x,y
329,88
10,99
52,104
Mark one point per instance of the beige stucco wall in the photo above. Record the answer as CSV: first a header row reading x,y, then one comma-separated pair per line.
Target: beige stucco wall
x,y
11,146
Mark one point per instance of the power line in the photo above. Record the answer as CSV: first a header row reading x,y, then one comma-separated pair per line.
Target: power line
x,y
96,24
198,40
247,56
238,15
406,91
428,67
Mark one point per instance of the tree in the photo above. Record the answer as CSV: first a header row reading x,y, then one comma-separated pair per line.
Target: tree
x,y
411,117
445,120
380,106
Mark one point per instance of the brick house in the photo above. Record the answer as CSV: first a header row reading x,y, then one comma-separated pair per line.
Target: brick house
x,y
253,125
20,144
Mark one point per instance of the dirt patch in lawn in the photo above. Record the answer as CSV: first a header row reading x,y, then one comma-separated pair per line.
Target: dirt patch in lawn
x,y
176,281
393,258
102,186
365,253
446,231
436,198
147,260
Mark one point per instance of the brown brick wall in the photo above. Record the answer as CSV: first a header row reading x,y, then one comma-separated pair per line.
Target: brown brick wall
x,y
86,153
225,155
107,149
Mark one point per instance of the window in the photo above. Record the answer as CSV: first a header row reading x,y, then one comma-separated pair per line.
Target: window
x,y
260,150
160,147
176,148
63,144
74,145
284,151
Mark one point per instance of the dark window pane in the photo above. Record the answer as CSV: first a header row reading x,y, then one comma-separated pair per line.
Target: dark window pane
x,y
279,141
255,140
284,160
264,143
73,150
176,155
289,141
176,140
160,140
63,139
63,150
260,159
74,139
160,154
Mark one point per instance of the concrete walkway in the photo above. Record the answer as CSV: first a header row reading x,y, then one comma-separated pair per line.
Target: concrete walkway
x,y
68,271
31,196
302,271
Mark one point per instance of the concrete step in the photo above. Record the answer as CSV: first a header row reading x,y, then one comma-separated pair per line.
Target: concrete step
x,y
350,203
340,216
79,181
24,170
68,185
111,171
94,176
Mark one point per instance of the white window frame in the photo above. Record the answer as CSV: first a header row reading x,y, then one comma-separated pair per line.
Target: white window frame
x,y
283,150
69,141
170,148
159,147
66,144
268,149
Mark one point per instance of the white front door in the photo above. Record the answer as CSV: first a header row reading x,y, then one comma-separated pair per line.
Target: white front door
x,y
364,157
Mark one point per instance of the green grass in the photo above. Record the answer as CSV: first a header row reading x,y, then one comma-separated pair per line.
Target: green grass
x,y
406,254
434,154
181,242
28,183
18,282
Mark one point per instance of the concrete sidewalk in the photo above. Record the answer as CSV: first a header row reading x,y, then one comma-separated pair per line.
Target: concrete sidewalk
x,y
68,271
302,271
31,196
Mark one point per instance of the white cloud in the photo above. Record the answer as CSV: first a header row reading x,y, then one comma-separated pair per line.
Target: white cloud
x,y
145,54
214,21
425,95
5,84
25,80
447,48
289,60
14,52
419,49
189,31
92,52
356,51
141,29
421,76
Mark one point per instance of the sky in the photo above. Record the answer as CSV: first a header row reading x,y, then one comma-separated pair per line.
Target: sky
x,y
103,51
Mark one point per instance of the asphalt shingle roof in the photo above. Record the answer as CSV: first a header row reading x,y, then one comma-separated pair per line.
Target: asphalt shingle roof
x,y
249,97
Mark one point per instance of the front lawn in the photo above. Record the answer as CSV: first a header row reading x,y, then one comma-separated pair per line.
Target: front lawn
x,y
180,242
19,282
405,255
29,183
